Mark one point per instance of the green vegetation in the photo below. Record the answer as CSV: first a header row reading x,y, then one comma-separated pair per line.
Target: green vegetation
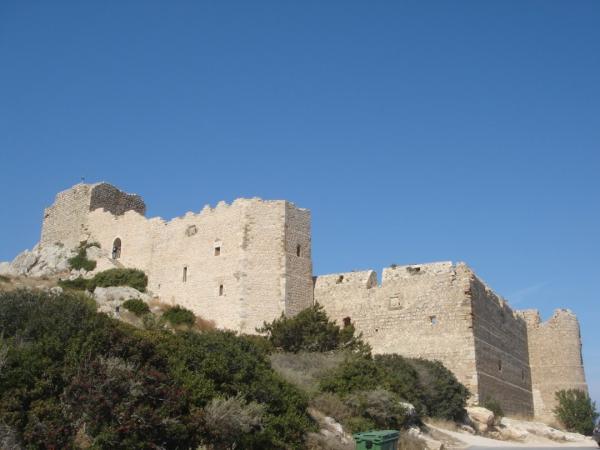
x,y
362,392
576,411
431,388
494,406
136,306
73,376
134,278
112,277
311,330
80,261
178,315
4,279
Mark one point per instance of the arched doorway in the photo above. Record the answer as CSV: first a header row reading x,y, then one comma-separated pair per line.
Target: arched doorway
x,y
116,249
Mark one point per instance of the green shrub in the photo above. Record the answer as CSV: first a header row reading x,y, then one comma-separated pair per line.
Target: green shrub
x,y
381,407
80,261
494,406
136,306
354,374
134,278
4,279
78,284
576,411
311,330
112,277
178,315
67,365
444,396
432,389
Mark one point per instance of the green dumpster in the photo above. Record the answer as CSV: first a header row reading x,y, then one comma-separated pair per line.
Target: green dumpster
x,y
377,440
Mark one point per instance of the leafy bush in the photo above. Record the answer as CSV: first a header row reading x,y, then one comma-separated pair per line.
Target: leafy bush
x,y
178,315
134,278
382,408
431,388
494,406
354,374
78,284
576,411
74,375
227,419
81,261
443,395
304,369
136,306
311,330
4,279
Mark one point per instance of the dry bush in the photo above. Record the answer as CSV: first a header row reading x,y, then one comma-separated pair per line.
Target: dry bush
x,y
331,405
316,441
226,420
409,442
305,368
204,324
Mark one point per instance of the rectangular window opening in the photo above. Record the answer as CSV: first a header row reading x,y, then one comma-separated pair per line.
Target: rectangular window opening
x,y
184,277
217,251
221,290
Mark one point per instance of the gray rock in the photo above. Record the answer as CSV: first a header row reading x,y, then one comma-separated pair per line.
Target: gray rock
x,y
480,415
24,262
110,299
42,261
6,269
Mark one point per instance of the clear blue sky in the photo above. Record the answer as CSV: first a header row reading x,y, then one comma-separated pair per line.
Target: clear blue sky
x,y
414,131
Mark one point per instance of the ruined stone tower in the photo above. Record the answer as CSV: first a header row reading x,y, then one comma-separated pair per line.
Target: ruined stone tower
x,y
248,262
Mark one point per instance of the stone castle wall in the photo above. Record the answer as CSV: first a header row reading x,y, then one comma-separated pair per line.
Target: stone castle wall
x,y
555,358
438,311
501,351
237,264
244,263
419,311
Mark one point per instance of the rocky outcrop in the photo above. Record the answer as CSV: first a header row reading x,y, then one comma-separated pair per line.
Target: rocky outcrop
x,y
39,261
481,418
110,299
520,430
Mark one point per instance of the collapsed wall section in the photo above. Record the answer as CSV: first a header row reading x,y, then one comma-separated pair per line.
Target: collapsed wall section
x,y
66,220
419,311
501,351
555,358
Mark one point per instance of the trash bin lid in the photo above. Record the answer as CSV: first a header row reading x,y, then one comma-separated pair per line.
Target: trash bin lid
x,y
377,437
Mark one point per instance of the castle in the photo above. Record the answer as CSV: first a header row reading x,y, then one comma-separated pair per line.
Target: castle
x,y
250,261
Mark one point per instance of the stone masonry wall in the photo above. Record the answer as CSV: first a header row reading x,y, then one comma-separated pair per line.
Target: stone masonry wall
x,y
555,358
65,220
418,311
234,264
115,201
501,351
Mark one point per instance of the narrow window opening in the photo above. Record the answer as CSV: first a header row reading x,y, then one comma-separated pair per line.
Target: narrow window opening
x,y
221,290
347,322
184,277
523,374
298,250
217,251
340,279
433,320
116,249
499,365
